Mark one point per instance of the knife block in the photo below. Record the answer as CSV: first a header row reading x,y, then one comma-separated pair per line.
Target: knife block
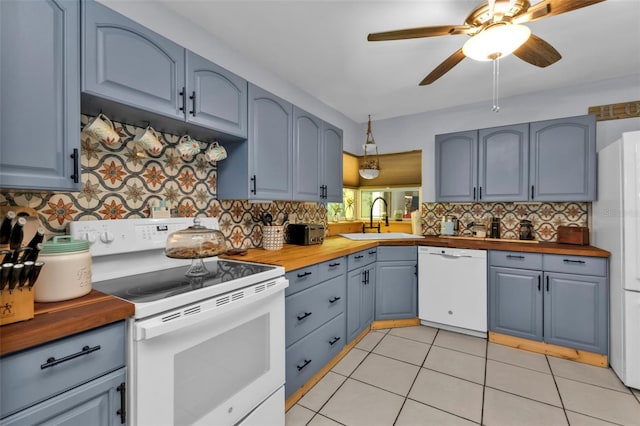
x,y
16,305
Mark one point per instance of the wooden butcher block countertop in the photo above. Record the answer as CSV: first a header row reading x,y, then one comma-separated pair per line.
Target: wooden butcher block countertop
x,y
55,320
293,257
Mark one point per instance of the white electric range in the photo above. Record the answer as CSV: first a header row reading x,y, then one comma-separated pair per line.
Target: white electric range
x,y
204,350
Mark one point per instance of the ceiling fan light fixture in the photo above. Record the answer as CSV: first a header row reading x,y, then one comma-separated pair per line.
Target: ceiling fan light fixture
x,y
496,41
370,166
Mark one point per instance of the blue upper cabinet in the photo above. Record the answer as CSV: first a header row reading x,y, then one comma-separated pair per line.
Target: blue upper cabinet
x,y
563,159
503,166
456,166
215,97
331,164
270,146
40,95
307,140
130,64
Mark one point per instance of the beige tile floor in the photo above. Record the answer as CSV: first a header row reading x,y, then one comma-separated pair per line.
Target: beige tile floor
x,y
425,376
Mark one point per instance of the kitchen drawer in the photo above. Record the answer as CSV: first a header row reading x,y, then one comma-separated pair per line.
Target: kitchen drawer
x,y
332,268
582,265
302,278
386,253
309,355
25,381
307,310
515,259
362,258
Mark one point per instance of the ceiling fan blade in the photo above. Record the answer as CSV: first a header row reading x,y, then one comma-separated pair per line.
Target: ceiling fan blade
x,y
537,52
547,8
444,67
421,32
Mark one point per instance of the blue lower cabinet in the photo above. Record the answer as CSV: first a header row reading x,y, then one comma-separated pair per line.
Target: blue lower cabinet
x,y
307,356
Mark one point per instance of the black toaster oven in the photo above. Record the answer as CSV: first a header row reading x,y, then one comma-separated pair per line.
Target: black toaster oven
x,y
305,234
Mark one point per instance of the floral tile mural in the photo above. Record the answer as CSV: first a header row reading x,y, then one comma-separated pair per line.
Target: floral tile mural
x,y
120,180
546,217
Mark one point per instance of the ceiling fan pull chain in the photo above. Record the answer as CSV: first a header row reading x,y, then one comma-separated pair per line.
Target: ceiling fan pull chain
x,y
496,84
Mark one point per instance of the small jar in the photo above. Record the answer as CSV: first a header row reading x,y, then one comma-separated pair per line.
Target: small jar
x,y
66,273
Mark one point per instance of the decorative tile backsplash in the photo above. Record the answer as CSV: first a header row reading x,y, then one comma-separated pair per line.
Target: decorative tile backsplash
x,y
120,180
546,217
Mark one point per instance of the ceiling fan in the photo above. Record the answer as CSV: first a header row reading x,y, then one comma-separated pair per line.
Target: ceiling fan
x,y
492,23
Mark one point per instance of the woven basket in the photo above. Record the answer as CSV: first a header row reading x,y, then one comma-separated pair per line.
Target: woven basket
x,y
272,237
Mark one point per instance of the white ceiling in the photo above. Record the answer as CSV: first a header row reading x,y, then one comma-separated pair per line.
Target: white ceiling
x,y
320,46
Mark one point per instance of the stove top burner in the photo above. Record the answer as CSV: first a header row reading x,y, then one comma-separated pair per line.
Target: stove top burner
x,y
166,283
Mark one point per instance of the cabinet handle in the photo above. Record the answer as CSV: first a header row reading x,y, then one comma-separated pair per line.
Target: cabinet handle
x,y
193,103
416,270
183,93
76,172
538,282
86,350
304,364
574,261
547,283
372,252
325,192
122,412
301,317
358,256
532,192
514,256
480,196
334,299
253,185
333,265
474,192
334,340
306,274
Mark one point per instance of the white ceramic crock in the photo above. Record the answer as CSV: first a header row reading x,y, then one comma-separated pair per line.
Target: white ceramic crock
x,y
66,273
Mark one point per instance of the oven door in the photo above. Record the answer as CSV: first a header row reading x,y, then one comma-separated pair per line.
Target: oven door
x,y
210,363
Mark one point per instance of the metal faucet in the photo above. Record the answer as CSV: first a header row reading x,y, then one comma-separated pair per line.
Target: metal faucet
x,y
386,214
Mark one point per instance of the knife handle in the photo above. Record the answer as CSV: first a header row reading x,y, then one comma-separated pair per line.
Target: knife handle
x,y
16,271
35,272
5,228
26,271
37,238
17,233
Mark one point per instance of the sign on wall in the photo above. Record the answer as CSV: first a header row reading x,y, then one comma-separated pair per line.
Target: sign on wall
x,y
616,111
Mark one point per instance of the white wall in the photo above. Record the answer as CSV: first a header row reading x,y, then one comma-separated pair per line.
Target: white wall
x,y
418,131
181,31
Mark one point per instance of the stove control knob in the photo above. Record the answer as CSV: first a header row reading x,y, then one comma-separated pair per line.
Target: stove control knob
x,y
89,236
107,237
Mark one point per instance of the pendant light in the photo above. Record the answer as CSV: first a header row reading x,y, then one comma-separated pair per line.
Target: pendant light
x,y
370,166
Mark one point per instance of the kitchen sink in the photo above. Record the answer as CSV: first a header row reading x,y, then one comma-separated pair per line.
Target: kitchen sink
x,y
380,236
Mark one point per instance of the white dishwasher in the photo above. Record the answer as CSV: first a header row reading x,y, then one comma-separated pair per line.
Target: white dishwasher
x,y
452,289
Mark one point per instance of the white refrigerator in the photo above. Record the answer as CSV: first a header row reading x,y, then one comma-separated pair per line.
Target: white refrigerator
x,y
616,228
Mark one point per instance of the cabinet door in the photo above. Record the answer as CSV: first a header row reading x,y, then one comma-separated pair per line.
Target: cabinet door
x,y
515,302
128,63
97,402
396,290
355,282
456,166
562,159
331,163
503,163
576,311
40,95
307,137
215,97
270,145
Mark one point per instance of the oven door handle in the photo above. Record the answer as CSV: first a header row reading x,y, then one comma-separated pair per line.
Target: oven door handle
x,y
203,311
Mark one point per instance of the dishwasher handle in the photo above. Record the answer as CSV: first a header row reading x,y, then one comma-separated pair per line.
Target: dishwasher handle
x,y
453,256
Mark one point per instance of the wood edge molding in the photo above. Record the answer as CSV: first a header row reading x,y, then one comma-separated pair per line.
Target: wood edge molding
x,y
295,397
409,322
617,111
584,357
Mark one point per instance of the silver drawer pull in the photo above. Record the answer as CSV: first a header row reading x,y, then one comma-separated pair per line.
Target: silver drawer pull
x,y
301,317
86,350
304,364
